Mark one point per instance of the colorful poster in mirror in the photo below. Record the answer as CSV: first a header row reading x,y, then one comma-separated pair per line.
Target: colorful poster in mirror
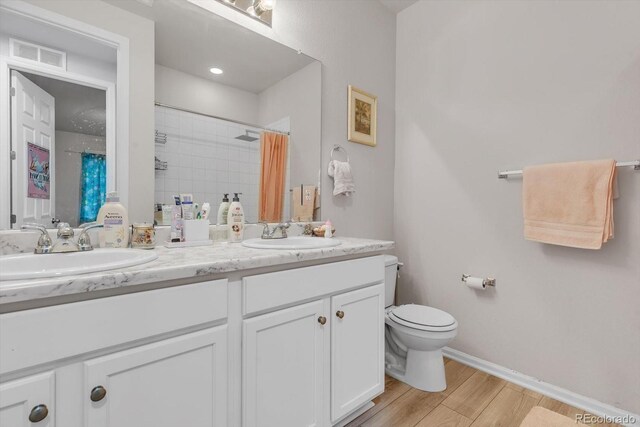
x,y
38,172
363,110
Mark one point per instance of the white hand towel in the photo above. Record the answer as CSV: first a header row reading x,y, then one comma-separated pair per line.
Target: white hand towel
x,y
342,178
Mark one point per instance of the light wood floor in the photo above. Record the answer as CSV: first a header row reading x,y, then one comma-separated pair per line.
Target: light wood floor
x,y
472,398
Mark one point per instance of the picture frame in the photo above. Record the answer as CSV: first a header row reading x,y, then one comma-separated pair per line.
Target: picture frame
x,y
363,117
38,173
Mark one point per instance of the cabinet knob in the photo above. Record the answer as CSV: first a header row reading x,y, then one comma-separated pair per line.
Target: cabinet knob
x,y
322,320
38,413
98,393
340,314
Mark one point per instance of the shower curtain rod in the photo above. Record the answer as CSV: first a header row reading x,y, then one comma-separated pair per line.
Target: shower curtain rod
x,y
86,152
159,104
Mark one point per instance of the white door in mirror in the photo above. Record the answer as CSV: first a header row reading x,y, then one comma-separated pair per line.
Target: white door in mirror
x,y
291,243
33,140
31,266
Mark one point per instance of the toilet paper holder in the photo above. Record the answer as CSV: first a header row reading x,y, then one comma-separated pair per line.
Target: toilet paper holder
x,y
489,281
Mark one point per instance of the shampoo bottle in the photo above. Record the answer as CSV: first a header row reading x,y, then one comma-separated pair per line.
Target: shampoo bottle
x,y
223,210
235,220
328,229
113,216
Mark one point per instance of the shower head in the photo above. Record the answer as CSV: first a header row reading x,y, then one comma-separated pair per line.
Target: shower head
x,y
246,136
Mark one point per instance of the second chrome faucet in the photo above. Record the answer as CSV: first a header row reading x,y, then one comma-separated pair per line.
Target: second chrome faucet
x,y
271,234
65,242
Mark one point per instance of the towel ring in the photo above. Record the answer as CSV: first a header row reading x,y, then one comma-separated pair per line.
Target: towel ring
x,y
338,148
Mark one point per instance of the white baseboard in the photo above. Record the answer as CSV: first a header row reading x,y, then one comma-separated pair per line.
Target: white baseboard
x,y
565,396
355,414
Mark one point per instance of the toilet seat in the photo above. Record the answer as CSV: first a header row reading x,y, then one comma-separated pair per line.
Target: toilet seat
x,y
423,318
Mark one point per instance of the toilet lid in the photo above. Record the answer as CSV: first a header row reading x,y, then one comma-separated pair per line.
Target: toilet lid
x,y
423,317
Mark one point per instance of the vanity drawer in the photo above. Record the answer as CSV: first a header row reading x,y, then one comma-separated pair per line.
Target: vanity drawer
x,y
43,335
272,290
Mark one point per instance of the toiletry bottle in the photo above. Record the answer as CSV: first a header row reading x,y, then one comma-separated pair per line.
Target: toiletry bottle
x,y
205,210
176,221
113,216
187,210
223,210
235,220
328,229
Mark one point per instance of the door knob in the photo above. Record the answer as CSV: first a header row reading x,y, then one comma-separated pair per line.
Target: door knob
x,y
38,413
98,393
322,320
340,314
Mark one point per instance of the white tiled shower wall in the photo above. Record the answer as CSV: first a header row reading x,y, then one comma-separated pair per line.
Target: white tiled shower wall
x,y
204,159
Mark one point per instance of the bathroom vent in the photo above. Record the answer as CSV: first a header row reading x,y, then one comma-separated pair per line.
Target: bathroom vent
x,y
41,55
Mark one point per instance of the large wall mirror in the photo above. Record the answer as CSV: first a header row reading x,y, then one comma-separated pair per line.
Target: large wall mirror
x,y
64,142
236,112
58,122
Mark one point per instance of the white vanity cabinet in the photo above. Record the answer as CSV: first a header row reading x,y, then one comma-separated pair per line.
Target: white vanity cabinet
x,y
174,382
290,348
150,359
28,400
284,362
357,349
314,362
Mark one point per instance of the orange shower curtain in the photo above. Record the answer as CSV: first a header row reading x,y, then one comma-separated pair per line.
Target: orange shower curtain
x,y
273,151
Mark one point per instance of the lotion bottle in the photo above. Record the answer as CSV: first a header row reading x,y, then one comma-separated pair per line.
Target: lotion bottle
x,y
328,229
235,220
115,220
223,210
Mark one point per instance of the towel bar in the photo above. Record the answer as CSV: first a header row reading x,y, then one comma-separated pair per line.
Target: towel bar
x,y
507,174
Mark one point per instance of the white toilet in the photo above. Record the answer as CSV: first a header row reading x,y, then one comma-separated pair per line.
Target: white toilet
x,y
415,335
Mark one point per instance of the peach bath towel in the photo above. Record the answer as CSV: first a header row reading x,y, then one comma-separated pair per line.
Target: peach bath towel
x,y
569,204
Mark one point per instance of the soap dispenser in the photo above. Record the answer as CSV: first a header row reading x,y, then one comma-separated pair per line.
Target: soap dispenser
x,y
115,220
223,210
235,220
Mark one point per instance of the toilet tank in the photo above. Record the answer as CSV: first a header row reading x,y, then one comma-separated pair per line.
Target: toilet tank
x,y
390,275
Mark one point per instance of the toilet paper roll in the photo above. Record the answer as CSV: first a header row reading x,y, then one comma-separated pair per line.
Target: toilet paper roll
x,y
475,282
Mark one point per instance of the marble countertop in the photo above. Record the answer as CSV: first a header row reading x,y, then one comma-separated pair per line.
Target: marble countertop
x,y
176,264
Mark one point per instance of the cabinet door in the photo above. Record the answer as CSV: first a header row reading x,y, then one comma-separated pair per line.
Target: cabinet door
x,y
28,401
180,381
357,349
285,357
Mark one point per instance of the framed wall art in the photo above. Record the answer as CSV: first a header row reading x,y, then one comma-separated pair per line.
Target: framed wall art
x,y
363,110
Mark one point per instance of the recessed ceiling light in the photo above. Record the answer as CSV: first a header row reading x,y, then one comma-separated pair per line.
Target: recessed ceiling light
x,y
216,70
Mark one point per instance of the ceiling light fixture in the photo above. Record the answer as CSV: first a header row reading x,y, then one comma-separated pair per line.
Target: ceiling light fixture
x,y
261,6
216,71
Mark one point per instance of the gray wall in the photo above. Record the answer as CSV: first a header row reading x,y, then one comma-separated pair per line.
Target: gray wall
x,y
184,90
483,86
355,41
298,97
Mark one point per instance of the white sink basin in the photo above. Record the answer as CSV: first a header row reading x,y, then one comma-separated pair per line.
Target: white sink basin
x,y
291,243
32,266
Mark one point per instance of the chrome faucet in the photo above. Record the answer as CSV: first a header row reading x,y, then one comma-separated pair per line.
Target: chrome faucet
x,y
283,226
65,241
44,241
84,242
